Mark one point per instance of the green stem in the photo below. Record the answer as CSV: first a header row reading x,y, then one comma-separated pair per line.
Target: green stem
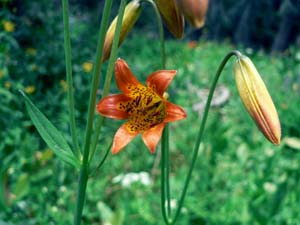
x,y
165,160
80,197
102,161
109,73
165,177
161,34
167,168
201,130
67,46
83,177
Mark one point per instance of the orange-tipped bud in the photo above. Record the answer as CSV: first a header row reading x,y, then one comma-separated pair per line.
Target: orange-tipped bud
x,y
173,18
194,11
256,99
131,14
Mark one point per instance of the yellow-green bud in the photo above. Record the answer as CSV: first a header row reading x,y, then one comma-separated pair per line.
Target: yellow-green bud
x,y
257,99
131,14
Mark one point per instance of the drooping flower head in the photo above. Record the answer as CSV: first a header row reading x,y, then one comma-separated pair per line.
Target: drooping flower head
x,y
145,107
257,99
194,11
172,16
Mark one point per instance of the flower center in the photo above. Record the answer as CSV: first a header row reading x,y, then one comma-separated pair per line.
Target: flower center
x,y
146,109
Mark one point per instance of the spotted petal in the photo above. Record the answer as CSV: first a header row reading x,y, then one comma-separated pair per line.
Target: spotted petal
x,y
160,80
152,136
124,77
108,106
122,138
174,112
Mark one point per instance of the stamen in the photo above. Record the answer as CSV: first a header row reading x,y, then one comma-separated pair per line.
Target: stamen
x,y
149,100
146,109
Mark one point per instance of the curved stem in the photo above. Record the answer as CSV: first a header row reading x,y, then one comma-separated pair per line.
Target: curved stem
x,y
102,161
201,130
67,46
83,177
161,34
109,73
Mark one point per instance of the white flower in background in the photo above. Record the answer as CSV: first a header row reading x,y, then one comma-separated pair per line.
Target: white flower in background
x,y
22,205
173,203
270,187
127,179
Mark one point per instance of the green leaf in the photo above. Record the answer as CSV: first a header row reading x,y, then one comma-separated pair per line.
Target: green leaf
x,y
118,217
50,134
21,187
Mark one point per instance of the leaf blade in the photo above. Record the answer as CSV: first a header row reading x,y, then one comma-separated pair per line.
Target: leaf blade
x,y
50,134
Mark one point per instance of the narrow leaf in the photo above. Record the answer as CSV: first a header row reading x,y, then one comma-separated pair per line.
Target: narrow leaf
x,y
21,188
50,134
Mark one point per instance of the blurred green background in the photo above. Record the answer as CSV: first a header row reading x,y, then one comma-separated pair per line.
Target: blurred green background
x,y
239,177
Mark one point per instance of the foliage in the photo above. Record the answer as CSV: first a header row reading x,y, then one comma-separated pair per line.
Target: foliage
x,y
239,177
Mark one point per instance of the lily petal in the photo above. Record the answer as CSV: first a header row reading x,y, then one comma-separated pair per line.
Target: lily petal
x,y
108,106
152,136
160,80
122,138
124,77
174,112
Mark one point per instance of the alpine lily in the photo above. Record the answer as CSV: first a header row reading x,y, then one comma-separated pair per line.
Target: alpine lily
x,y
145,107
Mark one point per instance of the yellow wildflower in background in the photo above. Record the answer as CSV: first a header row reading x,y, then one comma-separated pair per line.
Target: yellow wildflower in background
x,y
1,73
31,51
87,67
7,85
30,89
8,26
63,85
34,67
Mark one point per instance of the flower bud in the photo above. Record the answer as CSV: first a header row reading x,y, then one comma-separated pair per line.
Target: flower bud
x,y
173,18
194,11
256,99
131,14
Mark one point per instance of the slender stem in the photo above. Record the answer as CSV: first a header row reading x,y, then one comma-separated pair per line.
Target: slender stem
x,y
163,184
165,173
80,197
99,124
167,168
109,73
201,130
161,34
96,77
102,161
83,177
67,46
165,160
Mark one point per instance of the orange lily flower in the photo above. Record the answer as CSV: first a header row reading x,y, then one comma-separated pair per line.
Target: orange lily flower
x,y
145,107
